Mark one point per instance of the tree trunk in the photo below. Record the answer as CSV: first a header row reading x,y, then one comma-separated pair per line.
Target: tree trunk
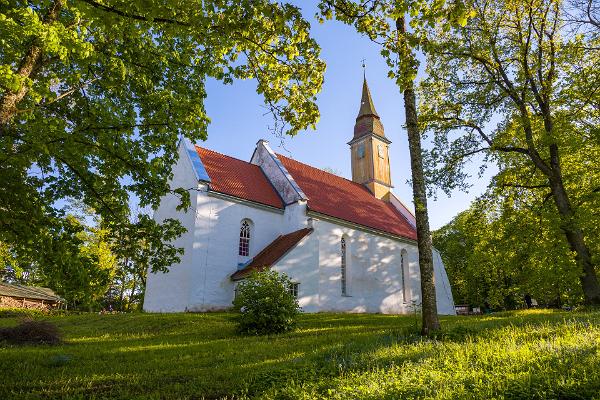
x,y
431,322
133,289
574,234
27,68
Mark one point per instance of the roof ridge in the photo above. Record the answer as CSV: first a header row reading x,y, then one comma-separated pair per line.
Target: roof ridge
x,y
336,176
323,171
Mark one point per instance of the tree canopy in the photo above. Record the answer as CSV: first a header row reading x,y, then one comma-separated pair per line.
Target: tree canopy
x,y
95,95
518,85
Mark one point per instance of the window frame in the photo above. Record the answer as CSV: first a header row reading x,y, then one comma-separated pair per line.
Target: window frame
x,y
403,274
294,289
361,150
344,266
245,236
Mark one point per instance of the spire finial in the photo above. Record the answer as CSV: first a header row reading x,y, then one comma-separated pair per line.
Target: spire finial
x,y
364,66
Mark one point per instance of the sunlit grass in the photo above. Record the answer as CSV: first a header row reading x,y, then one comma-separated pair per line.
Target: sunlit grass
x,y
534,354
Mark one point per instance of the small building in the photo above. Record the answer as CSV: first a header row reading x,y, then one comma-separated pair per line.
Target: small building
x,y
31,297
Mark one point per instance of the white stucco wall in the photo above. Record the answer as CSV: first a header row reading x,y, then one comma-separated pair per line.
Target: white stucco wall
x,y
201,281
216,239
167,291
374,274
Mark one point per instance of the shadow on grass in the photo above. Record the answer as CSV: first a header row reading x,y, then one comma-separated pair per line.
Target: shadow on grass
x,y
195,356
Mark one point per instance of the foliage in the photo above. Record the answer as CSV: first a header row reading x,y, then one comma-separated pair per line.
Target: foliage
x,y
95,95
377,19
78,265
531,354
22,312
266,304
516,87
494,254
31,331
139,248
384,22
93,264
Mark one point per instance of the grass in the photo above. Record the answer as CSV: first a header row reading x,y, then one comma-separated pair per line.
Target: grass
x,y
517,355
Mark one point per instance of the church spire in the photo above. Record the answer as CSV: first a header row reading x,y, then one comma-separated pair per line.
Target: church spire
x,y
367,121
369,149
367,108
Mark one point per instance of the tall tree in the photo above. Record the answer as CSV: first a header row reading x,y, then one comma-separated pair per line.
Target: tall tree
x,y
94,96
428,298
383,22
505,246
517,80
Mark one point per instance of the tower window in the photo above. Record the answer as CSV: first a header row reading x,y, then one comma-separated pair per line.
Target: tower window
x,y
244,247
361,150
344,277
381,151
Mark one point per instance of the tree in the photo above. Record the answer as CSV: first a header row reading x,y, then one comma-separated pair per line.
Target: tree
x,y
505,246
428,299
139,248
77,264
518,86
94,96
398,46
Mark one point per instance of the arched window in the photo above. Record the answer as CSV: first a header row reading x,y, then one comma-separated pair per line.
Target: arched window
x,y
343,267
244,248
404,276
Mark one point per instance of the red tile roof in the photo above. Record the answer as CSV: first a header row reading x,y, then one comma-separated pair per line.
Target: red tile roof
x,y
238,178
337,197
272,253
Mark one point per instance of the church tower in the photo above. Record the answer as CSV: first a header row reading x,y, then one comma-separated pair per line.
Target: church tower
x,y
369,149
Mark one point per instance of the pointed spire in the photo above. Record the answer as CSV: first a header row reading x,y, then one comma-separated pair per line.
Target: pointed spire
x,y
366,102
367,121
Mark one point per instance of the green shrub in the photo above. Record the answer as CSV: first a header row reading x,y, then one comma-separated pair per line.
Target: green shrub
x,y
266,304
31,332
22,312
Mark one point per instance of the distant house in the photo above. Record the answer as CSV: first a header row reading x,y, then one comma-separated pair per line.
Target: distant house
x,y
33,297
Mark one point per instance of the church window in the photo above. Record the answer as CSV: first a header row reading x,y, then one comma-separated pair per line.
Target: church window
x,y
294,289
244,248
361,150
343,268
404,275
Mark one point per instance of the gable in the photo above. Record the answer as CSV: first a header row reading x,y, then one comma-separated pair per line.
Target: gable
x,y
272,253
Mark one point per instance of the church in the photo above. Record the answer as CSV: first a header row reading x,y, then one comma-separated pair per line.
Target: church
x,y
348,245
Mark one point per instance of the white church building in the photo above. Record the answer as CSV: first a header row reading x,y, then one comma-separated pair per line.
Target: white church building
x,y
348,245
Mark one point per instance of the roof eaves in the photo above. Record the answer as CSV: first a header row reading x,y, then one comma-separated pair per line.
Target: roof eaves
x,y
251,203
365,228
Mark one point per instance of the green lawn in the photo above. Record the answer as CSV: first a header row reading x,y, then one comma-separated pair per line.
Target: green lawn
x,y
535,354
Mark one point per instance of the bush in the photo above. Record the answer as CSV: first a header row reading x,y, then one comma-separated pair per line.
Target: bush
x,y
266,304
31,332
22,312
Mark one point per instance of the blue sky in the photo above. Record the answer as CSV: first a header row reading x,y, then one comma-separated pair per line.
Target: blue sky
x,y
239,120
